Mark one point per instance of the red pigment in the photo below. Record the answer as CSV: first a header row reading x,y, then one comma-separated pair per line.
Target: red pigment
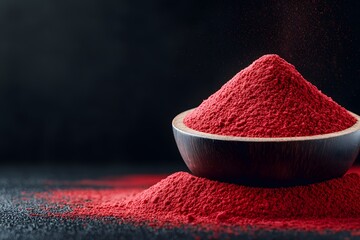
x,y
182,199
269,98
130,181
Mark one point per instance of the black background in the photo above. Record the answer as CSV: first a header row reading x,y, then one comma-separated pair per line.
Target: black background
x,y
98,82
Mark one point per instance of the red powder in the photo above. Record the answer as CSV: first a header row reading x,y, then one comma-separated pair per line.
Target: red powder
x,y
182,199
130,181
269,98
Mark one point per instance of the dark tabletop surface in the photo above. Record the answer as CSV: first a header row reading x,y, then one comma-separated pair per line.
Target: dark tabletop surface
x,y
17,222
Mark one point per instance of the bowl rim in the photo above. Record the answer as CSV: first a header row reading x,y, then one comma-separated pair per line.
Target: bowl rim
x,y
179,125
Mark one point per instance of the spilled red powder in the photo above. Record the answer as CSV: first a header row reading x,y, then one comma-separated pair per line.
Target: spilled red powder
x,y
269,98
135,180
182,199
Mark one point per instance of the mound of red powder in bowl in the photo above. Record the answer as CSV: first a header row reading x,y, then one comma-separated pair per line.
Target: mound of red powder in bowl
x,y
269,98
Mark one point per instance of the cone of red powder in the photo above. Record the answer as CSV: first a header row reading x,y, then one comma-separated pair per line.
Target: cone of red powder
x,y
268,125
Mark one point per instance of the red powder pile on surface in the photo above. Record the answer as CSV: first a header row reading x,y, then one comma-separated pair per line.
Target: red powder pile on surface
x,y
269,98
182,199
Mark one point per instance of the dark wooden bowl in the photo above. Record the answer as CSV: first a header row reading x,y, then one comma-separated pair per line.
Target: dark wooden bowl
x,y
267,161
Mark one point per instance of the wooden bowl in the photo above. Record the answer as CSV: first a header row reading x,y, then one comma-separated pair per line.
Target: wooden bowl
x,y
267,161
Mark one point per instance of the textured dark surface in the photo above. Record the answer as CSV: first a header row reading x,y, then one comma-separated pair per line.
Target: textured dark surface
x,y
17,222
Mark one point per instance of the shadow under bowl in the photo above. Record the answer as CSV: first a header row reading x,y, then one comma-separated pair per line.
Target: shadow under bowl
x,y
267,162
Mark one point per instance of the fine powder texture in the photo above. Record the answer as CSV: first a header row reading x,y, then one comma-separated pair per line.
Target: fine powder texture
x,y
182,199
269,98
